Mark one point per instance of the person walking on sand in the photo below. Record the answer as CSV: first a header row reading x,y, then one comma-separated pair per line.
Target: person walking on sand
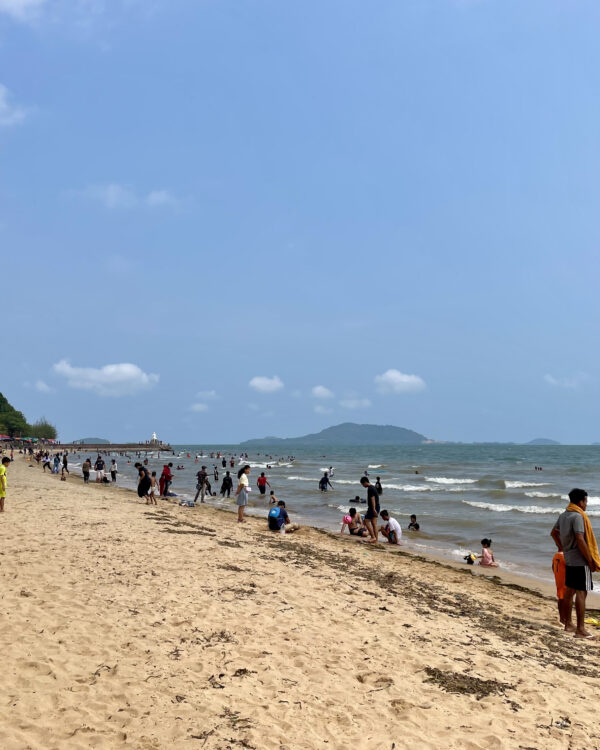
x,y
574,536
3,467
372,509
65,464
241,494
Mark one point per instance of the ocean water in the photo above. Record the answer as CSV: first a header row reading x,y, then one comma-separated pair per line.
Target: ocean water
x,y
460,493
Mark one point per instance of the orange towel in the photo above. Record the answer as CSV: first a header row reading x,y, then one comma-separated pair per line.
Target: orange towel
x,y
589,534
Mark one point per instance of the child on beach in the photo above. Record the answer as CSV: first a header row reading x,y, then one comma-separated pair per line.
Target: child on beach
x,y
152,494
354,522
486,558
3,467
559,570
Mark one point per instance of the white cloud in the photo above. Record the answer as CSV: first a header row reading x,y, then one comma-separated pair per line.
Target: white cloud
x,y
319,391
206,395
199,407
160,198
571,383
263,384
355,403
122,379
20,9
42,387
320,409
10,114
115,196
394,381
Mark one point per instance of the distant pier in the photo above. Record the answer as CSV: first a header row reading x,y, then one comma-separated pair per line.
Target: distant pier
x,y
114,447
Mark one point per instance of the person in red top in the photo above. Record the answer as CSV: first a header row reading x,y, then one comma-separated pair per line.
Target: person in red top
x,y
165,479
262,483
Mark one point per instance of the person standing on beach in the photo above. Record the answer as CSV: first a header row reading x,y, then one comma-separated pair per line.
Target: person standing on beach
x,y
165,479
99,466
378,486
241,494
3,467
574,536
372,509
558,568
86,467
113,471
65,463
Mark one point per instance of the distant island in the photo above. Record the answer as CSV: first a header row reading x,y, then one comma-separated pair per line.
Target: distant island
x,y
91,441
349,433
542,441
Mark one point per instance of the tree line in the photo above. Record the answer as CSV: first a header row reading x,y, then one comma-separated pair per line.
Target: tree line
x,y
14,423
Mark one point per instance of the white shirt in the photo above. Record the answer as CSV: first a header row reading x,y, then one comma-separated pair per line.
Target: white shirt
x,y
393,525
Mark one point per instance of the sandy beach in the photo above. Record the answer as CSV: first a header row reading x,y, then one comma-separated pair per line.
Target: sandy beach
x,y
164,627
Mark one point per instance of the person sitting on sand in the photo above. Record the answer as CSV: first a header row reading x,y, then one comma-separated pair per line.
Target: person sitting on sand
x,y
354,522
413,525
391,529
486,558
280,521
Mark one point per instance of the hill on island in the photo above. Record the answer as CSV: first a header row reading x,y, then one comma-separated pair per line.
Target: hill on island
x,y
542,441
349,433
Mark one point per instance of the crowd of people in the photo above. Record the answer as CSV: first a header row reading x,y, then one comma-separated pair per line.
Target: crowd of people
x,y
577,555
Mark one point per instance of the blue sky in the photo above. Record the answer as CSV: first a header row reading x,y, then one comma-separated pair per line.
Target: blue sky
x,y
210,209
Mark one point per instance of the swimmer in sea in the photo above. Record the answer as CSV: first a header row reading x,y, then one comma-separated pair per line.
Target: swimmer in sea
x,y
413,525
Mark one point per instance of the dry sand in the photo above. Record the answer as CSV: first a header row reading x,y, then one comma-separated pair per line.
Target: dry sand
x,y
125,626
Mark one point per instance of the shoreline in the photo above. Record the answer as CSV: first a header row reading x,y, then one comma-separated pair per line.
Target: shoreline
x,y
532,583
149,628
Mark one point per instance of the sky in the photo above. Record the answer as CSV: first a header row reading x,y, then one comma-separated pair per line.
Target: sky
x,y
224,220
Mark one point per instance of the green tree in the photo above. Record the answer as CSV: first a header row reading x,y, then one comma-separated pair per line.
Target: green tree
x,y
43,429
14,423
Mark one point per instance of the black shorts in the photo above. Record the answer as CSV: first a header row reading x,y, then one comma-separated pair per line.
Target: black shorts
x,y
578,577
370,514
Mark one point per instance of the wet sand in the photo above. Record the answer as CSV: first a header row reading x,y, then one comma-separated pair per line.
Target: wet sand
x,y
127,626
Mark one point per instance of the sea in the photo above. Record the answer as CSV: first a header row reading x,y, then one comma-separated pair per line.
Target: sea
x,y
459,493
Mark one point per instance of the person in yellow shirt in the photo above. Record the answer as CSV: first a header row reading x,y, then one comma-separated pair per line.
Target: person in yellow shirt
x,y
3,467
